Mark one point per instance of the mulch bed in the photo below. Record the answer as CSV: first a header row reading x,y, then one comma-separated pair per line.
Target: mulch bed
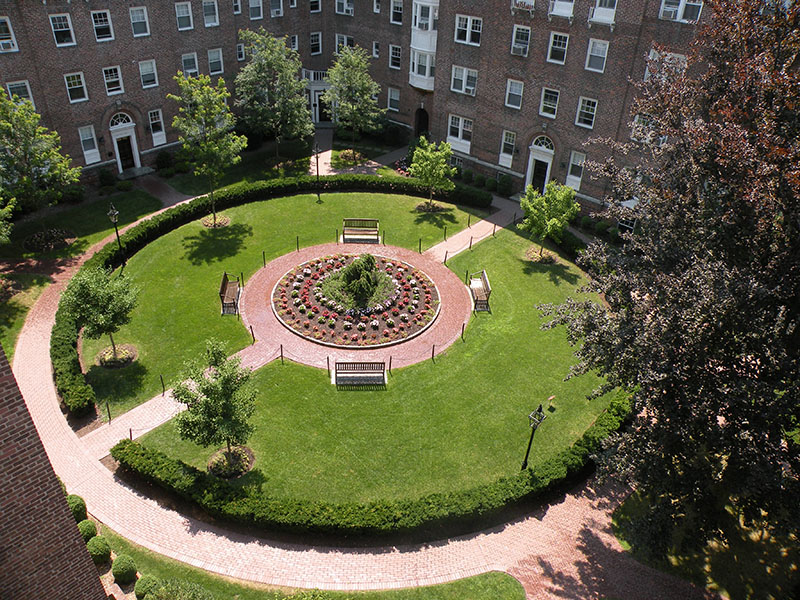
x,y
50,239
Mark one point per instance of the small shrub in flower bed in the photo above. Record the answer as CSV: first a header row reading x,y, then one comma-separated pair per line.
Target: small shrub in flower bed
x,y
403,303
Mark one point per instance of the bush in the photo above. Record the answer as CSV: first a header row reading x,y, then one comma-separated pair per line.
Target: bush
x,y
106,178
99,549
491,184
571,244
587,222
505,185
457,174
480,180
107,190
601,227
73,194
183,166
77,506
123,569
167,173
144,585
613,235
164,160
88,529
125,185
62,484
179,589
467,176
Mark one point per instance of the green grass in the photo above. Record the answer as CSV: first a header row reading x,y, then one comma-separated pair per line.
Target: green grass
x,y
179,276
14,310
751,564
88,221
451,424
370,150
387,172
489,586
339,163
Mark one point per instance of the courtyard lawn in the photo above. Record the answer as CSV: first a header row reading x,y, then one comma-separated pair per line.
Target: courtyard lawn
x,y
14,309
451,424
179,275
489,586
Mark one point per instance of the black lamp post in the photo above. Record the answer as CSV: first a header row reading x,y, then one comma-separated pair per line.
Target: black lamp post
x,y
316,156
535,419
113,216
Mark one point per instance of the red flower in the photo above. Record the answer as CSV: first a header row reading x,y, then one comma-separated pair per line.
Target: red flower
x,y
385,333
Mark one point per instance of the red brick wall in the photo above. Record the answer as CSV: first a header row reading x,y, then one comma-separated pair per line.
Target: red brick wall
x,y
42,555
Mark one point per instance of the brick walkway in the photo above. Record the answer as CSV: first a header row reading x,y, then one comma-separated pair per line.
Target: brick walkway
x,y
563,550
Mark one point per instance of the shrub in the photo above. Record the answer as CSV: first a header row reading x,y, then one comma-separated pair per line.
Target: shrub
x,y
183,166
144,585
88,529
457,174
505,185
601,227
587,222
125,185
167,173
613,235
467,176
99,549
491,184
179,589
62,484
164,160
571,244
73,194
106,178
479,180
107,190
77,506
123,569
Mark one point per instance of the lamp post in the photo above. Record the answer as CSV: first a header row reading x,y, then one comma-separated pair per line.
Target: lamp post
x,y
535,418
316,156
113,216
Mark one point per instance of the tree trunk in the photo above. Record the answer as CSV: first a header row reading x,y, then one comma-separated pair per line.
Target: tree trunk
x,y
354,147
229,450
213,206
541,249
113,345
277,152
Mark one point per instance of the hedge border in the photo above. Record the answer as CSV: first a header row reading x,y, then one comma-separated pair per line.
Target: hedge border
x,y
77,395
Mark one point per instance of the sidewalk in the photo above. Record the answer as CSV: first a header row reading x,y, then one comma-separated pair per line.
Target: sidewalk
x,y
323,139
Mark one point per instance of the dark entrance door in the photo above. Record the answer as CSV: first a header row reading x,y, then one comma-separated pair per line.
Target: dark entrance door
x,y
539,178
324,109
125,151
421,122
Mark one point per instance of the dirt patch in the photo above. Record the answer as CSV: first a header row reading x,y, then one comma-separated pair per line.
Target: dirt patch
x,y
241,462
222,221
547,256
126,354
426,207
50,239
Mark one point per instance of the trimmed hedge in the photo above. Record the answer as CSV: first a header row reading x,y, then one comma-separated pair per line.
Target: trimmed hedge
x,y
99,549
78,397
246,505
77,506
88,529
123,569
146,584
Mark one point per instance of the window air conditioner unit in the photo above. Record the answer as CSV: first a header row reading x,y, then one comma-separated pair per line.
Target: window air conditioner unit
x,y
348,11
276,13
7,45
470,91
669,13
518,50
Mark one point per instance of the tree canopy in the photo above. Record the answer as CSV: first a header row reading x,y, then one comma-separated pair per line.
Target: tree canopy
x,y
548,214
431,165
703,319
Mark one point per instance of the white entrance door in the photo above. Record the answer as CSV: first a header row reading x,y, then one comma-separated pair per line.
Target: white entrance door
x,y
540,163
123,133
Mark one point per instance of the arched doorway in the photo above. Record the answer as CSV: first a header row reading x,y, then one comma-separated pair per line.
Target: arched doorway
x,y
123,133
420,122
540,162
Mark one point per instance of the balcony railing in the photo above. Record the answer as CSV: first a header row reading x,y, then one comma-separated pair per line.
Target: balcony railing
x,y
520,5
314,75
560,8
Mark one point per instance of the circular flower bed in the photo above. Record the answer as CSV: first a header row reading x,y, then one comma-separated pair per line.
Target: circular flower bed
x,y
50,239
407,306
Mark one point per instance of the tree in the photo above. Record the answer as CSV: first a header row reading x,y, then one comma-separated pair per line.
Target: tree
x,y
219,401
352,91
6,210
206,126
101,302
269,88
32,167
549,214
703,318
431,165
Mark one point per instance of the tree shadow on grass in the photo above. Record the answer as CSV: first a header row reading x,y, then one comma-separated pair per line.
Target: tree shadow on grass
x,y
556,272
437,219
215,245
118,386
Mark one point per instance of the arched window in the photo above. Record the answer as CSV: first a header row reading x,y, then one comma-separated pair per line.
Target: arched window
x,y
544,142
120,119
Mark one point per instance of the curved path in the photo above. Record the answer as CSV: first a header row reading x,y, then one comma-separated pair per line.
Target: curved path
x,y
564,550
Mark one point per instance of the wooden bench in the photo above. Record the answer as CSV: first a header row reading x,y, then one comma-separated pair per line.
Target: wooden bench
x,y
360,373
229,292
361,230
480,289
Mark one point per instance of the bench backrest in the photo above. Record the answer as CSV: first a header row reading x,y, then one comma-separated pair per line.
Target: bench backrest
x,y
360,367
360,223
485,280
226,282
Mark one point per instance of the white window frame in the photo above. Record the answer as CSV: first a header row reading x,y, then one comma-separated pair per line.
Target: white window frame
x,y
461,140
106,72
93,155
469,28
395,58
312,4
240,55
142,73
214,22
594,44
376,6
576,159
311,36
393,94
342,40
133,22
642,131
396,8
345,7
8,44
677,63
255,5
274,13
221,62
237,7
294,42
551,47
69,28
178,15
107,14
517,48
509,138
292,3
675,10
584,104
543,106
429,61
195,71
376,49
28,95
78,74
513,83
420,22
459,80
159,137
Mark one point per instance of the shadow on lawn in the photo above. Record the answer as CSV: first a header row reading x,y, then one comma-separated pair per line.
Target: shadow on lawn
x,y
437,219
214,245
115,385
556,272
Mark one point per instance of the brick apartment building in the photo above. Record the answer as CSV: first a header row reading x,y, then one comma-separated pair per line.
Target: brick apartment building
x,y
516,86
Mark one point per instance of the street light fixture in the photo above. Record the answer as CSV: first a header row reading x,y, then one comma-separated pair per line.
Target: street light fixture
x,y
113,216
535,419
316,155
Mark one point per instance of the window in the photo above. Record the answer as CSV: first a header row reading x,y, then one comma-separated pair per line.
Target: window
x,y
468,30
344,7
395,54
687,11
210,13
393,102
215,61
507,147
459,133
575,170
549,104
20,89
189,65
237,7
423,63
275,8
293,42
62,30
521,41
596,55
157,127
557,52
514,93
314,6
183,13
113,78
464,80
89,144
147,71
587,108
316,42
560,8
644,131
376,6
671,64
396,16
376,49
240,56
292,3
343,40
604,12
256,10
139,22
103,30
8,43
75,87
422,16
